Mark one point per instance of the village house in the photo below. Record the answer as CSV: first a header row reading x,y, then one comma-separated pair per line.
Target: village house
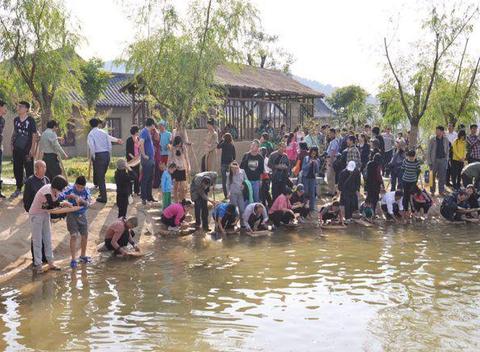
x,y
252,96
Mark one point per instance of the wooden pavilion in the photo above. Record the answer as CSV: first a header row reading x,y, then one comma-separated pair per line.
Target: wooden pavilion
x,y
252,95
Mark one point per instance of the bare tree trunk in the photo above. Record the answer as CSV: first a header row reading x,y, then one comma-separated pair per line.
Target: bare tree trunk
x,y
45,116
413,136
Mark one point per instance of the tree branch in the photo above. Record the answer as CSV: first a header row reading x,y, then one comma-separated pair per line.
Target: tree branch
x,y
460,67
432,76
399,84
469,89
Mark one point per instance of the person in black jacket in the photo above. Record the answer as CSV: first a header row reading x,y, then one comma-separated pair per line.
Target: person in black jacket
x,y
32,185
132,151
124,177
349,187
228,155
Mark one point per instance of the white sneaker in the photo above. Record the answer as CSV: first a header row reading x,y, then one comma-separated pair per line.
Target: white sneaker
x,y
171,228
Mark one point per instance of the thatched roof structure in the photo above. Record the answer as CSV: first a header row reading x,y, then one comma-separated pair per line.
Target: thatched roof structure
x,y
252,79
257,79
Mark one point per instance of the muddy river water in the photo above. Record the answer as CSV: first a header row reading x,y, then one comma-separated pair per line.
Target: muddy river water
x,y
393,288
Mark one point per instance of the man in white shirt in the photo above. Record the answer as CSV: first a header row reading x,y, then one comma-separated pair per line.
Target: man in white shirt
x,y
255,217
389,141
451,136
392,205
100,145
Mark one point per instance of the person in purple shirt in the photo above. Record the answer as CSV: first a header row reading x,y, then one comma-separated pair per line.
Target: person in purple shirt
x,y
147,161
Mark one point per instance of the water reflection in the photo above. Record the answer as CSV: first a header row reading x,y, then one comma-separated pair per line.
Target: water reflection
x,y
375,289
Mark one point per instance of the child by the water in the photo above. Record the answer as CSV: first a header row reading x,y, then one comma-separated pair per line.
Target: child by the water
x,y
167,185
77,223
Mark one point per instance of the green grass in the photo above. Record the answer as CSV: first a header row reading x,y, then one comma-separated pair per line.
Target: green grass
x,y
74,167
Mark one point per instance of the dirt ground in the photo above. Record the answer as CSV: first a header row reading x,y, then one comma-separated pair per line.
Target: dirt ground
x,y
15,232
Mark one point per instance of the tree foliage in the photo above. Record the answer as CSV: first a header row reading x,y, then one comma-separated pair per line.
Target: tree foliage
x,y
38,40
415,74
178,57
350,103
93,82
262,50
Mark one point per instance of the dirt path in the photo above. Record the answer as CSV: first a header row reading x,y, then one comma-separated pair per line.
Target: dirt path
x,y
15,233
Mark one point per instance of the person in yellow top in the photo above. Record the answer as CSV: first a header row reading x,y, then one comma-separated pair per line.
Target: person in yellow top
x,y
459,151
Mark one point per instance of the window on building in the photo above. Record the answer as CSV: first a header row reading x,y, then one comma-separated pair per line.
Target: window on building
x,y
114,126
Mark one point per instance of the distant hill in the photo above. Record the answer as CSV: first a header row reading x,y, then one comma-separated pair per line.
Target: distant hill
x,y
328,89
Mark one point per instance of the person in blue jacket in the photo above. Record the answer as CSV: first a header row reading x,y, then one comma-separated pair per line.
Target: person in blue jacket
x,y
310,169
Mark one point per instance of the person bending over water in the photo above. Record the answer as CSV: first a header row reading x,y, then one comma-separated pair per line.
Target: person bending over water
x,y
120,234
454,206
225,217
174,214
330,213
255,217
281,211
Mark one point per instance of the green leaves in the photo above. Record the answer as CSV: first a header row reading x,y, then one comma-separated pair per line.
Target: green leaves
x,y
350,103
177,60
38,40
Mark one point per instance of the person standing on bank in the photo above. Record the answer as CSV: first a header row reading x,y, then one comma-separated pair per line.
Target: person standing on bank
x,y
437,159
459,154
228,155
24,142
32,185
132,152
147,153
210,142
46,198
100,145
51,150
124,177
253,164
389,142
3,112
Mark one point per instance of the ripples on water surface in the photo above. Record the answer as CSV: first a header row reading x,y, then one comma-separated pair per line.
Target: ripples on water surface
x,y
391,289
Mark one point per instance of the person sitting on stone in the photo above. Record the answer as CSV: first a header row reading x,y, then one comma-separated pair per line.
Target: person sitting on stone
x,y
255,217
120,234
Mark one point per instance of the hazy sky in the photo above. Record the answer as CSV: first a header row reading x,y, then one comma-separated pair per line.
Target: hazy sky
x,y
336,42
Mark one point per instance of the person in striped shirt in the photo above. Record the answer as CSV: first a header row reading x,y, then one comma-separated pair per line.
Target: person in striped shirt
x,y
411,170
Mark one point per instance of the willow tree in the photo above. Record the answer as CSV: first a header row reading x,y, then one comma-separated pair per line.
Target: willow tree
x,y
414,75
37,42
178,57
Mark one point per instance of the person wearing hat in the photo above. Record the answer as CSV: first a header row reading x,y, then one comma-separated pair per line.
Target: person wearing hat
x,y
299,202
124,179
281,211
77,223
349,188
210,142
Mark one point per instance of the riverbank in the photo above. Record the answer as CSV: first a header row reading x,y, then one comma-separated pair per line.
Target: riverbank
x,y
15,233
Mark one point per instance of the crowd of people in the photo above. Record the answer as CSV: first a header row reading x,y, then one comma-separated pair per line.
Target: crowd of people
x,y
369,174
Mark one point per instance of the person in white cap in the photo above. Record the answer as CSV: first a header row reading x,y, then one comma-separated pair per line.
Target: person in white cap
x,y
349,188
